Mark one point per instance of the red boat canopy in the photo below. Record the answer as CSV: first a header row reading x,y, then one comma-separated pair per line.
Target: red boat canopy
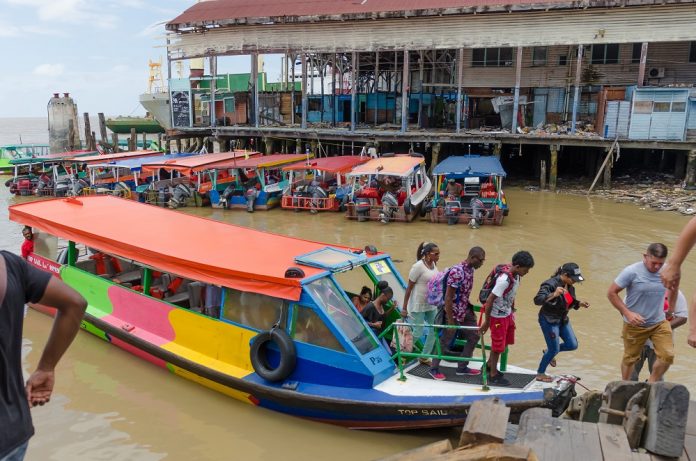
x,y
189,165
340,164
265,161
117,156
189,246
398,165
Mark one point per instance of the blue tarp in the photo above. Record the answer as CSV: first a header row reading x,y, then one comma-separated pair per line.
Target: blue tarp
x,y
469,165
136,164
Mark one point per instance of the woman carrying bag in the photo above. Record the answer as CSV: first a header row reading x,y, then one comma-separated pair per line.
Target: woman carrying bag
x,y
556,297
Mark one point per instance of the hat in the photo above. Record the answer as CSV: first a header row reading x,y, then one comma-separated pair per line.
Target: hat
x,y
572,270
450,180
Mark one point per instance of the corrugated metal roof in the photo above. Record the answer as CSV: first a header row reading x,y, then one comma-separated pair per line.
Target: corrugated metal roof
x,y
250,11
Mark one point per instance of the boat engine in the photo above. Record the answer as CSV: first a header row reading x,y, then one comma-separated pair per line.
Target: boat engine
x,y
61,189
226,194
316,192
452,211
180,194
121,189
44,186
390,204
162,196
78,186
362,208
251,195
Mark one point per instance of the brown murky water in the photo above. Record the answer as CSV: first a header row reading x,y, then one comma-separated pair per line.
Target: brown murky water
x,y
110,405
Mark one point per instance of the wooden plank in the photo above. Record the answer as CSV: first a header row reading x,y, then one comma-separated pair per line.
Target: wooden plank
x,y
614,442
690,446
490,451
548,437
422,453
584,440
691,422
667,417
486,422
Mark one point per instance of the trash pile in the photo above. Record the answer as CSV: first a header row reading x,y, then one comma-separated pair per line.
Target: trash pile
x,y
584,129
659,191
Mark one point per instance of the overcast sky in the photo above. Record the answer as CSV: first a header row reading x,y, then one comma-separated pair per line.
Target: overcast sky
x,y
97,50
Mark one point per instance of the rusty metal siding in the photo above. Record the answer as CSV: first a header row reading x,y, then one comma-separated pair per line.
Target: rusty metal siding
x,y
626,25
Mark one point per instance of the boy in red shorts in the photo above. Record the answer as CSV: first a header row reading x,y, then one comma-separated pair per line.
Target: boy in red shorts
x,y
499,312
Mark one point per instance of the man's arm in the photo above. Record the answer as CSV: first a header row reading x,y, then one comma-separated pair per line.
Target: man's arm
x,y
672,271
449,300
487,308
619,305
71,306
691,340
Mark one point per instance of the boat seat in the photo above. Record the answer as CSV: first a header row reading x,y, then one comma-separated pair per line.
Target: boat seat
x,y
178,298
128,277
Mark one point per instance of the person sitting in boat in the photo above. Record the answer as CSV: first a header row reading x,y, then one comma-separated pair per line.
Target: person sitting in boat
x,y
453,190
28,244
375,313
363,299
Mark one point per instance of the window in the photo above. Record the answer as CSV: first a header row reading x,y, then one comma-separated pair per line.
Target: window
x,y
491,57
563,60
605,54
661,106
539,56
309,328
692,52
343,315
678,106
254,310
635,54
229,104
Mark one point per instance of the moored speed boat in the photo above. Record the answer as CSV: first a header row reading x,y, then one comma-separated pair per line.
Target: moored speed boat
x,y
469,189
276,327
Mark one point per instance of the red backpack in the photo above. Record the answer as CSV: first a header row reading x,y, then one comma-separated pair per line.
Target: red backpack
x,y
489,283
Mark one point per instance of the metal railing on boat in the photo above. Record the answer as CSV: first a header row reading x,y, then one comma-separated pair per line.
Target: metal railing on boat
x,y
399,355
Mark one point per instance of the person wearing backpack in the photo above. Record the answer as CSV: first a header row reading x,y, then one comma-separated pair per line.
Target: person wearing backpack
x,y
420,274
499,310
457,310
556,296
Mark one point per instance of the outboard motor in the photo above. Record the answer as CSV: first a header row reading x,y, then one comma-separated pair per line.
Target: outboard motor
x,y
44,185
78,186
389,206
478,212
316,193
226,194
452,211
121,189
180,194
161,196
362,208
61,189
251,195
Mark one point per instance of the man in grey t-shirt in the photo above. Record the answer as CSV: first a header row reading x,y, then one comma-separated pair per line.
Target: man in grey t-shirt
x,y
643,312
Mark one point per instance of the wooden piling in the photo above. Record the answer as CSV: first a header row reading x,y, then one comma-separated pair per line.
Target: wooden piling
x,y
88,130
298,146
179,147
144,140
159,141
553,168
607,173
485,423
114,142
102,128
71,135
542,175
496,150
691,169
133,141
93,141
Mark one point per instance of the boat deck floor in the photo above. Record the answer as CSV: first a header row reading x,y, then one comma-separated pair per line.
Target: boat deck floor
x,y
517,380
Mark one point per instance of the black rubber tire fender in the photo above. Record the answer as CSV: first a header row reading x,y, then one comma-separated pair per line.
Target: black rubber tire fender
x,y
259,355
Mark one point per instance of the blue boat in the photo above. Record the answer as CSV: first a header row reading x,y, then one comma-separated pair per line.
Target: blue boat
x,y
469,189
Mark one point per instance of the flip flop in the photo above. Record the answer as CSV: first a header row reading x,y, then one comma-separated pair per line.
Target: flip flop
x,y
544,378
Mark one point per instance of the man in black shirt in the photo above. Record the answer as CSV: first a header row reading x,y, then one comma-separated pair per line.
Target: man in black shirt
x,y
21,283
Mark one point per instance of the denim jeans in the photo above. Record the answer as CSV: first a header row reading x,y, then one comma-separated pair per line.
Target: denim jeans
x,y
553,333
17,454
421,318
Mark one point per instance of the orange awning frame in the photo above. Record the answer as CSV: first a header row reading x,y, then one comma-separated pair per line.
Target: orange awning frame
x,y
189,246
189,165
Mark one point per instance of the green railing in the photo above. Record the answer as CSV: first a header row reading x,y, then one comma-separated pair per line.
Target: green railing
x,y
435,329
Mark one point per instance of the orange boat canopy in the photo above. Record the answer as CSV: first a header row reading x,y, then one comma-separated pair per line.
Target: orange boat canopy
x,y
340,164
117,156
399,165
189,165
189,246
265,161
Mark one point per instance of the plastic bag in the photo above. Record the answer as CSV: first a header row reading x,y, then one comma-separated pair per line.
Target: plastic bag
x,y
405,338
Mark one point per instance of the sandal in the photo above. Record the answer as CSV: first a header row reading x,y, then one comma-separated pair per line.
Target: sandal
x,y
544,378
553,360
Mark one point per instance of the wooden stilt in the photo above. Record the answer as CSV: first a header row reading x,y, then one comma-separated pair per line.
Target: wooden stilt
x,y
553,168
102,128
691,169
542,174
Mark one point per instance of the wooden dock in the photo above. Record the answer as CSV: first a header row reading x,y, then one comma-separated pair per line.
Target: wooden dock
x,y
487,435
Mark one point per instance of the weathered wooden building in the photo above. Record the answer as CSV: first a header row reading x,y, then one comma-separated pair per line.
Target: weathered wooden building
x,y
447,73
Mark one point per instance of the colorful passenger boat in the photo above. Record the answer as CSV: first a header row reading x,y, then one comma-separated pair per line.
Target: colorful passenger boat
x,y
259,181
477,183
18,151
46,175
320,184
200,170
264,318
389,188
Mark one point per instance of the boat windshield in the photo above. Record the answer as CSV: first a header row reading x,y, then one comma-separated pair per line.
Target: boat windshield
x,y
334,303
